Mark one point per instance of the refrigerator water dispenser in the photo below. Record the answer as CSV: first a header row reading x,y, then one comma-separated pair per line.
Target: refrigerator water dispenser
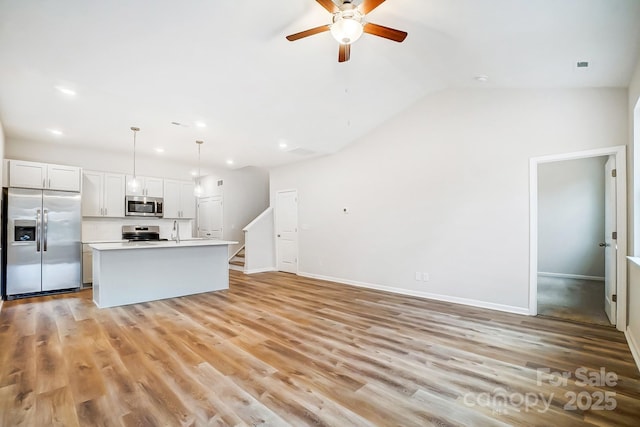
x,y
24,230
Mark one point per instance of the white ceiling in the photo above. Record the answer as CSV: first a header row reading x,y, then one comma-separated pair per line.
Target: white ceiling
x,y
227,63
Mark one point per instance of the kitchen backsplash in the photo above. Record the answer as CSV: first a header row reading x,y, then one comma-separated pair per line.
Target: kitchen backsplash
x,y
101,229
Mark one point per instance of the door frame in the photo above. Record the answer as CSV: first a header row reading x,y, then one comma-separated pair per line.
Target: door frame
x,y
275,229
619,152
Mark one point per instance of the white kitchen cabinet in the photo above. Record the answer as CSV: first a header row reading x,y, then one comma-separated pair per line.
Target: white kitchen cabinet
x,y
179,200
151,187
43,176
103,194
65,178
87,264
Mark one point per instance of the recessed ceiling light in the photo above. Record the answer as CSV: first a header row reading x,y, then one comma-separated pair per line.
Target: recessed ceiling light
x,y
201,124
282,145
66,91
159,150
229,162
56,132
194,173
482,78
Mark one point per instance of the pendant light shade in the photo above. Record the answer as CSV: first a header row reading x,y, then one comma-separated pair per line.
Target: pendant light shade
x,y
133,185
197,191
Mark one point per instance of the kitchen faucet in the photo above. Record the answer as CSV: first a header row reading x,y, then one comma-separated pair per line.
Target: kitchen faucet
x,y
175,234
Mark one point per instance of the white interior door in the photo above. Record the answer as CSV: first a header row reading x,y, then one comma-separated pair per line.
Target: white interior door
x,y
610,244
287,231
210,217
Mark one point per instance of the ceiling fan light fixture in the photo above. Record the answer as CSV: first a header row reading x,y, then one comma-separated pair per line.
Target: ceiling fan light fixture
x,y
347,26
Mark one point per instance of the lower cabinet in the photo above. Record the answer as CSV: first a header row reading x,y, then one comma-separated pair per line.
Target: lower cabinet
x,y
87,265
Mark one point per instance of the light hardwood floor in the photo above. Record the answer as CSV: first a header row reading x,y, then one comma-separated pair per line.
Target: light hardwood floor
x,y
277,349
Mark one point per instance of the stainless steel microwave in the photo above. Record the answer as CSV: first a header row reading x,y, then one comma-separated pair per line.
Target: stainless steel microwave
x,y
143,206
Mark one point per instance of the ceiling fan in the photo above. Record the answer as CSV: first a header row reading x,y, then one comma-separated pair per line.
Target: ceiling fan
x,y
348,24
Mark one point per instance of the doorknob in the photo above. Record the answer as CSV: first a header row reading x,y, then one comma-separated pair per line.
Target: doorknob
x,y
278,235
602,245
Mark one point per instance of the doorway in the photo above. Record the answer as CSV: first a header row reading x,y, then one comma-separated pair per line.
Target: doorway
x,y
569,275
287,231
571,248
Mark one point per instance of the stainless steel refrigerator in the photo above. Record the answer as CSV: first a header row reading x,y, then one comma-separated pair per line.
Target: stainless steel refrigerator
x,y
42,242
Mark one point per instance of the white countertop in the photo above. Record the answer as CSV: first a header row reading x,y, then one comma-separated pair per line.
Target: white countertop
x,y
159,244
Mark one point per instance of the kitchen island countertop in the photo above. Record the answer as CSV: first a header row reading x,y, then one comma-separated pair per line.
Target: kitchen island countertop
x,y
158,244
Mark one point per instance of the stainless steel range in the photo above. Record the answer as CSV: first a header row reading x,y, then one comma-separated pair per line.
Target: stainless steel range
x,y
141,233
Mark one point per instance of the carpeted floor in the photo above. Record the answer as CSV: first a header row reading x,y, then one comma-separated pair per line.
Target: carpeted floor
x,y
572,299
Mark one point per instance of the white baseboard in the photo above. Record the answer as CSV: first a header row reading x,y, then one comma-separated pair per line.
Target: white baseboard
x,y
260,270
235,267
633,345
571,276
427,295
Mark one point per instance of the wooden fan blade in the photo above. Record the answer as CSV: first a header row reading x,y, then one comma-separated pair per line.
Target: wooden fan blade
x,y
386,32
344,53
368,5
308,33
329,5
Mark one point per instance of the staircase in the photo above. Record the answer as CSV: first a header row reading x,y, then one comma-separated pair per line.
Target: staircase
x,y
237,262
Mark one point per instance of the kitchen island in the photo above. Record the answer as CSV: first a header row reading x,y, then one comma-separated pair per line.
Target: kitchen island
x,y
134,272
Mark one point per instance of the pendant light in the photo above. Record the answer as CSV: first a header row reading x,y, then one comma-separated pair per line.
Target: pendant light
x,y
198,188
133,185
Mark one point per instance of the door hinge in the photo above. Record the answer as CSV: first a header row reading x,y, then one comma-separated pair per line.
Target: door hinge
x,y
614,173
614,298
614,235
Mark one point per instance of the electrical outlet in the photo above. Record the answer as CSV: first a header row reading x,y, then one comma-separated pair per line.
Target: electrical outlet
x,y
425,277
418,275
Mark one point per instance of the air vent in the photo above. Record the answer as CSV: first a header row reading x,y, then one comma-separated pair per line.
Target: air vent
x,y
582,64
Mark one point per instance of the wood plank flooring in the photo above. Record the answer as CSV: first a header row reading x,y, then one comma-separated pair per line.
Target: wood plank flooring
x,y
277,349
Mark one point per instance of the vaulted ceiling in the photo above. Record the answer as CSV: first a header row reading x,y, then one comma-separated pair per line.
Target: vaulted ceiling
x,y
226,64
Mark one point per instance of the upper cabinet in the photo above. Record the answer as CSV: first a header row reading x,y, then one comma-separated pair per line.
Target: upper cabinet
x,y
151,187
43,176
179,200
103,194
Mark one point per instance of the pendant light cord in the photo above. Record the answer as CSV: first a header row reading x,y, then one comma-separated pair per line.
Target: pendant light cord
x,y
134,154
135,130
199,145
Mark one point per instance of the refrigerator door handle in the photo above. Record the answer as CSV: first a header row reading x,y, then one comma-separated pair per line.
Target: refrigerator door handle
x,y
38,224
45,229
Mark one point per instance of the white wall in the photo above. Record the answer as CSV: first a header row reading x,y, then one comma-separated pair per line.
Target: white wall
x,y
99,160
444,188
571,217
246,190
633,296
245,196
